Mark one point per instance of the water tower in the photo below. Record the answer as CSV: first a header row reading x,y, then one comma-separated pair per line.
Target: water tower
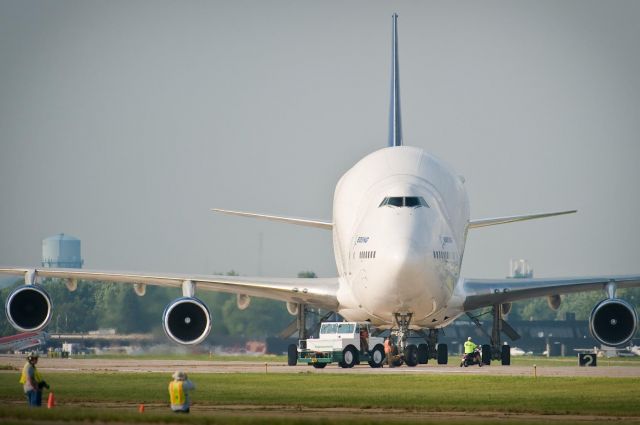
x,y
61,251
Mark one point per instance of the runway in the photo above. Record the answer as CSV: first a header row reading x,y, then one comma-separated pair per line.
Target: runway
x,y
94,365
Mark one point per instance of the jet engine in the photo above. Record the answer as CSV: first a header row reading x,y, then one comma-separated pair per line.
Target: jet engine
x,y
613,322
28,308
186,321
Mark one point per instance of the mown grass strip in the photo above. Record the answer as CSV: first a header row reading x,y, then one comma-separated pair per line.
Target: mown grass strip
x,y
544,395
24,416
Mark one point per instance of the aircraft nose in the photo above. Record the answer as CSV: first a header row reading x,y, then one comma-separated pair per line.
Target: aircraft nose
x,y
406,259
400,282
405,266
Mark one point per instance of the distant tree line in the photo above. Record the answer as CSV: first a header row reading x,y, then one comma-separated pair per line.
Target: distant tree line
x,y
579,304
99,305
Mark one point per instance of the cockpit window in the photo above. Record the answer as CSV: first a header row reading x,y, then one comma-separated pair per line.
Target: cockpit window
x,y
404,201
395,201
415,201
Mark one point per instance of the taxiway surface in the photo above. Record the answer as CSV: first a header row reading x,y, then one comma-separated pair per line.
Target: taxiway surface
x,y
201,366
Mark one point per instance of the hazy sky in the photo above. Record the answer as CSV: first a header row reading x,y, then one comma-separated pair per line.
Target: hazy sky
x,y
123,122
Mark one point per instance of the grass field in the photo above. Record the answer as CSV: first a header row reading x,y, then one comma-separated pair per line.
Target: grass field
x,y
329,398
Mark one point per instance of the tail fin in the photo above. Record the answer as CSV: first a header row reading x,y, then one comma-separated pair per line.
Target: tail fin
x,y
395,121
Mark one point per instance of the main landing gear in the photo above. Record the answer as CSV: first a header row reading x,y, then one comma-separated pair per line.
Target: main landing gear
x,y
410,354
496,350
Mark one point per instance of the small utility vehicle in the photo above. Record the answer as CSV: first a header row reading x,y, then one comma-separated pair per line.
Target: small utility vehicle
x,y
345,343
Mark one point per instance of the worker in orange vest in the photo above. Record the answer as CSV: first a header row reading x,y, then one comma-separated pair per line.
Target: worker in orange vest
x,y
179,392
387,351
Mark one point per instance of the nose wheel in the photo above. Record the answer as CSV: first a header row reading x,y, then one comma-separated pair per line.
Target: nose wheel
x,y
401,351
403,320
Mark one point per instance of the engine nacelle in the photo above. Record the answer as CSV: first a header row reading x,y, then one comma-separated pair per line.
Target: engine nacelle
x,y
28,308
186,321
613,322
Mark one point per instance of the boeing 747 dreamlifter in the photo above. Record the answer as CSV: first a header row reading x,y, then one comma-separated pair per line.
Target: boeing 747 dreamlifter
x,y
400,222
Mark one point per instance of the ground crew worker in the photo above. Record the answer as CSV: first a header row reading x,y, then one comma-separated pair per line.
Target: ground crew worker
x,y
469,346
32,382
364,339
387,351
179,392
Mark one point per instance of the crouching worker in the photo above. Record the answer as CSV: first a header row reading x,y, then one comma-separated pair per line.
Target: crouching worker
x,y
32,382
179,392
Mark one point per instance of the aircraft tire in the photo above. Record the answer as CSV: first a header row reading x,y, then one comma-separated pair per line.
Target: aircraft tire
x,y
319,365
377,357
423,353
505,355
292,355
411,355
486,354
349,357
443,354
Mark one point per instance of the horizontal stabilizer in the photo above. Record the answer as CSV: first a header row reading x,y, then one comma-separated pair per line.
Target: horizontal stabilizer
x,y
291,220
483,222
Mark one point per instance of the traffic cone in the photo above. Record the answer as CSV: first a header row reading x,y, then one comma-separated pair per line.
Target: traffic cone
x,y
141,408
51,403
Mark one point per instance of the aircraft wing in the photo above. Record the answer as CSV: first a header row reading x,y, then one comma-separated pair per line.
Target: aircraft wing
x,y
486,292
289,220
314,291
483,222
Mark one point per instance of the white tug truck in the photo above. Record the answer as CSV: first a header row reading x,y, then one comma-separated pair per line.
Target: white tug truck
x,y
345,343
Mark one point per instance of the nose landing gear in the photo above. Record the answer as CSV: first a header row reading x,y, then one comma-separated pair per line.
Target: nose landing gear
x,y
410,354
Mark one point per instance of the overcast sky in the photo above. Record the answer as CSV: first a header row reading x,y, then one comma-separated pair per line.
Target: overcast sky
x,y
123,122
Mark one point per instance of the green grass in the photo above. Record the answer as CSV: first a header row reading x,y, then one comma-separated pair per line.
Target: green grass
x,y
85,397
568,361
23,416
462,393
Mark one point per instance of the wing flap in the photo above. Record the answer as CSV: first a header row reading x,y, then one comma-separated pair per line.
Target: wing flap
x,y
318,292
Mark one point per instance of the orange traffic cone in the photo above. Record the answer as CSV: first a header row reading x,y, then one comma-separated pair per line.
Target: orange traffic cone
x,y
141,408
51,403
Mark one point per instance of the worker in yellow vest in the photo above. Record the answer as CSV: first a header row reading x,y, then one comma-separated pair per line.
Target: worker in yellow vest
x,y
32,382
179,392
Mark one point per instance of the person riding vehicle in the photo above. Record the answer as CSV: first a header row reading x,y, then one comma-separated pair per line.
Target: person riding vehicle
x,y
471,354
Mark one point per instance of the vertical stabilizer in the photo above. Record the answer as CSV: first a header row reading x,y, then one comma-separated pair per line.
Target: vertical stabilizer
x,y
395,121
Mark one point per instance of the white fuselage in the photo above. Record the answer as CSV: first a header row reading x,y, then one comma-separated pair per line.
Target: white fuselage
x,y
399,259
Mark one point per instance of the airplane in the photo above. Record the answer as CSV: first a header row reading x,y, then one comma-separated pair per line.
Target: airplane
x,y
400,222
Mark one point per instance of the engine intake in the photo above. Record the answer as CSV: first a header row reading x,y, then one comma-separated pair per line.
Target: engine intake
x,y
28,308
186,321
613,322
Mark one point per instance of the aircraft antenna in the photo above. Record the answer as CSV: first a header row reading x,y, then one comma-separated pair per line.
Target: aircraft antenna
x,y
395,121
